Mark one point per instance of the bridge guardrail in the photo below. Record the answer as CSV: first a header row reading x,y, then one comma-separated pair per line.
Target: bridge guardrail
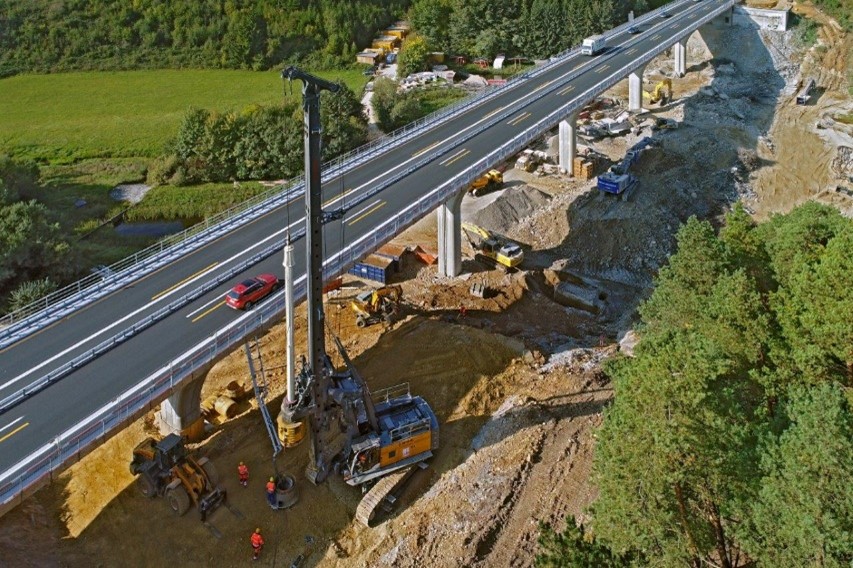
x,y
78,441
48,379
131,267
59,303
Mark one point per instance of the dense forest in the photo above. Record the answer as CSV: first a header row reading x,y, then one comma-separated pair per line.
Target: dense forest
x,y
729,440
531,28
61,35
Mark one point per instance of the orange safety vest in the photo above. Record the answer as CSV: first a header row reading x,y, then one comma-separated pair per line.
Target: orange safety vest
x,y
270,487
243,470
257,540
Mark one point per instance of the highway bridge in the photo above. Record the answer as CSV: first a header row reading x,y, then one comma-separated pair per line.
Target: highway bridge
x,y
75,373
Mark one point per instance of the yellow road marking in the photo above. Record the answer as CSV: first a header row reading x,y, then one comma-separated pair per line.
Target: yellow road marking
x,y
366,213
15,431
567,90
602,68
458,156
220,304
447,160
691,16
656,37
427,149
542,86
335,198
185,280
630,51
494,112
518,119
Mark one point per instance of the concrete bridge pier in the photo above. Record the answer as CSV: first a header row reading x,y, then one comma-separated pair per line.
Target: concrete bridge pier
x,y
450,236
679,50
635,89
568,139
181,412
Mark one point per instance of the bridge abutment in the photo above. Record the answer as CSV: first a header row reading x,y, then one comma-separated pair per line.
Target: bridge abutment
x,y
450,236
635,89
568,139
181,412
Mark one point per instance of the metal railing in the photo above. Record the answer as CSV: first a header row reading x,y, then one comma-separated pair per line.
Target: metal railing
x,y
54,306
72,445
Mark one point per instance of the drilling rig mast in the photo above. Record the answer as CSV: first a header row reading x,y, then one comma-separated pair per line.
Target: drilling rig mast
x,y
365,437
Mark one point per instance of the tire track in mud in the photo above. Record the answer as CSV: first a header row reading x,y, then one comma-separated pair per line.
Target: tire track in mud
x,y
549,487
487,539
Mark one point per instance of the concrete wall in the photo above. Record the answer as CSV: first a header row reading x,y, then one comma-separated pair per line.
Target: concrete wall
x,y
761,18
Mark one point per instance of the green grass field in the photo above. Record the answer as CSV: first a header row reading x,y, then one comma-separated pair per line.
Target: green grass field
x,y
66,117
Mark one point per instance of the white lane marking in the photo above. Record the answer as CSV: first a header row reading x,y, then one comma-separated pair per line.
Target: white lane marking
x,y
210,303
12,423
46,362
372,182
366,184
363,209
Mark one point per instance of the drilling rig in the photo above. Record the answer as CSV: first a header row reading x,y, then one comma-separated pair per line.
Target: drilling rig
x,y
375,440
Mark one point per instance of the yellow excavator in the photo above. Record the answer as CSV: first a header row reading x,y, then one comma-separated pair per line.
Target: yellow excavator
x,y
662,92
489,181
373,306
492,249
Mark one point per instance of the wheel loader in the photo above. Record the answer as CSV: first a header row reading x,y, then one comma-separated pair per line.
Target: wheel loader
x,y
165,468
374,306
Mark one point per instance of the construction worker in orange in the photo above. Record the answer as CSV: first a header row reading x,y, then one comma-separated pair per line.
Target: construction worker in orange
x,y
271,493
243,474
257,544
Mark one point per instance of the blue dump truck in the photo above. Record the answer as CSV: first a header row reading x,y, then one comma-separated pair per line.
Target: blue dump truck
x,y
618,180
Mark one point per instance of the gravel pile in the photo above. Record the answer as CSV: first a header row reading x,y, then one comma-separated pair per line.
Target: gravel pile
x,y
515,204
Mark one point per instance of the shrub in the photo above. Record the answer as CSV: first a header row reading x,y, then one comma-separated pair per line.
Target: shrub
x,y
29,292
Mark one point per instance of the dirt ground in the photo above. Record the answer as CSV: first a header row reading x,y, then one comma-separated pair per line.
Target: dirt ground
x,y
516,383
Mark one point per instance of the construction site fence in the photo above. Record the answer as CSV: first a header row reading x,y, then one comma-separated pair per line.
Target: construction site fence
x,y
106,279
44,464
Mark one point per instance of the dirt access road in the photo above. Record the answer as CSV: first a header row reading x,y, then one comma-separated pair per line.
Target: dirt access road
x,y
516,383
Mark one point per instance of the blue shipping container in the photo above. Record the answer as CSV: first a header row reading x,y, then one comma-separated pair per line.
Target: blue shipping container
x,y
375,268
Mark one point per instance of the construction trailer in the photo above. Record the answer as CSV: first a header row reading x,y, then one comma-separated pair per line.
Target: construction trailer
x,y
618,180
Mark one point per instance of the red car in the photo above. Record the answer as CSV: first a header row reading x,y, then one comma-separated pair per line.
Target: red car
x,y
249,292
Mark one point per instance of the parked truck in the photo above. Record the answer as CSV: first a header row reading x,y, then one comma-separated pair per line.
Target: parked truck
x,y
593,45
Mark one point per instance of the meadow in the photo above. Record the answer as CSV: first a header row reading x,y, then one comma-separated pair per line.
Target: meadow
x,y
67,117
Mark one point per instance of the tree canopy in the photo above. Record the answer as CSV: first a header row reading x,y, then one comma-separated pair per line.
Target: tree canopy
x,y
533,28
30,242
729,441
258,143
43,35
